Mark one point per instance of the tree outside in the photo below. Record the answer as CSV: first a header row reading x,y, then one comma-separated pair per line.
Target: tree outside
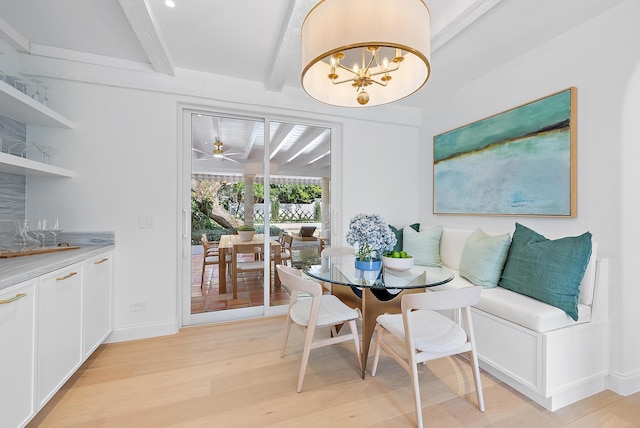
x,y
217,207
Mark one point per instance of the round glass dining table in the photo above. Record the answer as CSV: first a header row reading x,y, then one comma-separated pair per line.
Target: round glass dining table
x,y
373,293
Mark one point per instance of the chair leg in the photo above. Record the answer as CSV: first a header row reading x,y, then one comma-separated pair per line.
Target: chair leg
x,y
376,352
308,340
204,266
287,329
476,378
416,391
356,340
234,281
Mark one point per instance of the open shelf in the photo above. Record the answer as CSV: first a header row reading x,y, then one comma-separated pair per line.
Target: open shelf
x,y
20,107
11,164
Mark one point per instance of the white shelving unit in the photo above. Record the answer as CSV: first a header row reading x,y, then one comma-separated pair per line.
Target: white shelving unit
x,y
11,164
20,107
24,109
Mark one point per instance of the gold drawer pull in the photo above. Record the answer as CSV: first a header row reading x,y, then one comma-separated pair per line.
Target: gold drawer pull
x,y
67,276
18,297
101,261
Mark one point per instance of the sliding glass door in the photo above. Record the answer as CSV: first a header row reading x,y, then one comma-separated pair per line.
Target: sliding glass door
x,y
268,174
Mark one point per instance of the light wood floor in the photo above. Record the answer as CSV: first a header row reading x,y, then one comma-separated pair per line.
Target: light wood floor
x,y
232,376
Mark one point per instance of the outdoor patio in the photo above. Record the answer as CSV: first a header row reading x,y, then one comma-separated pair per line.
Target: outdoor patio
x,y
250,288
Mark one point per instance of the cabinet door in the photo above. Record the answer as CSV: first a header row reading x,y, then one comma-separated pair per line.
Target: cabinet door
x,y
17,348
59,351
96,292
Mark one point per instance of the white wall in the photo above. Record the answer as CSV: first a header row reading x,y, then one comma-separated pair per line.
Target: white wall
x,y
125,152
600,58
380,172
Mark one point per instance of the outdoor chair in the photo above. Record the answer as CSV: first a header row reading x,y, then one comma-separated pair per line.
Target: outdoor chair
x,y
210,256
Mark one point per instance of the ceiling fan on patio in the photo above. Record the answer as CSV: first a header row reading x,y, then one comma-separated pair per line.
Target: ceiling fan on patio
x,y
218,152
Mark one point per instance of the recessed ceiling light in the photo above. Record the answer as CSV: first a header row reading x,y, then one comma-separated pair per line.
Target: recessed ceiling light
x,y
170,3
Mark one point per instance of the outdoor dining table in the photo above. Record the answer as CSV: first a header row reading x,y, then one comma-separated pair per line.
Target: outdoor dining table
x,y
225,247
374,297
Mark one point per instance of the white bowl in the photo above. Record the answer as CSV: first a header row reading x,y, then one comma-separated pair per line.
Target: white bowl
x,y
397,264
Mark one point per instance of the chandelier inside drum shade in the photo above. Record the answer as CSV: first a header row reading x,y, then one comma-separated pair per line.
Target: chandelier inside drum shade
x,y
365,52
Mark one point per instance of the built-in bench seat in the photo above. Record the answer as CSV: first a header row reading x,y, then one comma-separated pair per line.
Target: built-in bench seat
x,y
534,347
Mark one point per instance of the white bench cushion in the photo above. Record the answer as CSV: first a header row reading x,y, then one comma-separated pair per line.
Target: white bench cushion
x,y
520,309
527,312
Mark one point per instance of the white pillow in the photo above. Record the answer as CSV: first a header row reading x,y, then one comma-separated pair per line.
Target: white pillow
x,y
483,258
424,245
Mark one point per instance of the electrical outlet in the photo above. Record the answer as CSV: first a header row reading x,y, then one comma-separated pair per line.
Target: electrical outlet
x,y
140,306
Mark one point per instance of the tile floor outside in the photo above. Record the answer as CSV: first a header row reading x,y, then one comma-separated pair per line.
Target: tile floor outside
x,y
209,299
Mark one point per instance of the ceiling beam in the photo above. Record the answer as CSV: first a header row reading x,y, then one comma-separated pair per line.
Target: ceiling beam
x,y
145,28
13,37
461,21
281,138
307,140
288,45
255,131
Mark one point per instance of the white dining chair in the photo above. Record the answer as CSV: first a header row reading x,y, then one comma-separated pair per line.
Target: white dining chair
x,y
318,310
429,335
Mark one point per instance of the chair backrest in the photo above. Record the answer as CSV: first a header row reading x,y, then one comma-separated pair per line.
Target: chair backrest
x,y
337,251
307,231
290,278
208,245
287,241
440,300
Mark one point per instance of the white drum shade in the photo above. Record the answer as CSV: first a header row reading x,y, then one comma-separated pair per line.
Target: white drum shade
x,y
348,26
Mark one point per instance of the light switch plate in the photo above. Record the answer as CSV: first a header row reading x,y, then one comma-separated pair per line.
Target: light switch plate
x,y
145,222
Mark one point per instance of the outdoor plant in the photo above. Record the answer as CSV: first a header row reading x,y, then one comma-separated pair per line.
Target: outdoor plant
x,y
371,234
246,228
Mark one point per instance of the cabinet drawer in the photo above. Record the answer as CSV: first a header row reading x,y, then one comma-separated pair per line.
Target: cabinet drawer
x,y
59,330
17,354
96,296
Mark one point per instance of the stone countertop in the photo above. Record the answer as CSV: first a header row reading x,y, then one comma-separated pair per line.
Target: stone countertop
x,y
18,269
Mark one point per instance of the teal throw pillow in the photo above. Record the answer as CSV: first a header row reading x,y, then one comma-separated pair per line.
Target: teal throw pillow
x,y
547,270
399,235
483,258
424,245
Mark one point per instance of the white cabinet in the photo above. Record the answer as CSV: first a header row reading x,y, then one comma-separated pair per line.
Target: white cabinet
x,y
49,326
17,359
96,298
59,345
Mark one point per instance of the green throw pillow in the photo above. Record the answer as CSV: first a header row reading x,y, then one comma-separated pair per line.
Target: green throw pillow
x,y
547,270
424,246
483,258
398,233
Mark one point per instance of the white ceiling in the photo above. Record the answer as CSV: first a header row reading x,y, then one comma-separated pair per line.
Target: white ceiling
x,y
259,40
256,40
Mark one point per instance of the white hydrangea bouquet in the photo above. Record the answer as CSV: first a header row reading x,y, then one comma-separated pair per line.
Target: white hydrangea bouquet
x,y
371,234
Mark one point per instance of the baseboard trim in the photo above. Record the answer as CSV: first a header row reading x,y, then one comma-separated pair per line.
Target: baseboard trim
x,y
624,384
143,331
559,399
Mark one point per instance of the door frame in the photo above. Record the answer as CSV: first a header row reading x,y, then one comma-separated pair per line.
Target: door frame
x,y
183,229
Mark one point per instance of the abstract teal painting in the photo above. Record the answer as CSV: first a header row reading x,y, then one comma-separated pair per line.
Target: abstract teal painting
x,y
518,162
